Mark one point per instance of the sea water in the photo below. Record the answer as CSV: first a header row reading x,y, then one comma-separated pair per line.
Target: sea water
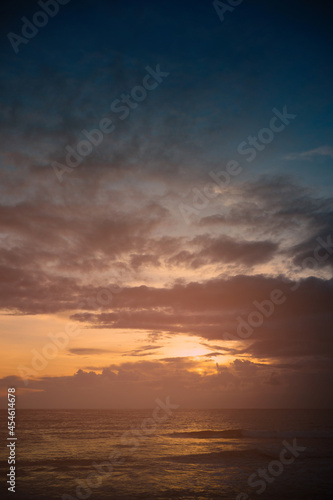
x,y
189,454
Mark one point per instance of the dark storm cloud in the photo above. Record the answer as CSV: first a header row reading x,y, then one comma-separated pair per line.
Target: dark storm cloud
x,y
320,244
272,204
225,249
300,326
41,236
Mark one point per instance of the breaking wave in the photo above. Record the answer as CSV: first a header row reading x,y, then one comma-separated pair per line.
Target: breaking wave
x,y
255,434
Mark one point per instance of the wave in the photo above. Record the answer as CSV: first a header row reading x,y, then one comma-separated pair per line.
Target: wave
x,y
259,434
57,463
216,456
251,434
232,457
228,434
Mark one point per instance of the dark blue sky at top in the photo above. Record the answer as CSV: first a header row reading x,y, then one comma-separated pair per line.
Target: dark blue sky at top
x,y
225,78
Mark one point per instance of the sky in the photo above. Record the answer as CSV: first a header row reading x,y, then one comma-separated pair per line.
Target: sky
x,y
166,204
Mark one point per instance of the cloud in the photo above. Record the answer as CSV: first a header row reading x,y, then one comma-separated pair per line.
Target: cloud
x,y
230,250
86,351
273,379
189,383
314,252
245,366
142,351
309,155
283,212
298,327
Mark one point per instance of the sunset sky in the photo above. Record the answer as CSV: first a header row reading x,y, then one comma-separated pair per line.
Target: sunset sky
x,y
148,248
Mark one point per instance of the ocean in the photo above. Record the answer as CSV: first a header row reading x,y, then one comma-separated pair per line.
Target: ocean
x,y
171,454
